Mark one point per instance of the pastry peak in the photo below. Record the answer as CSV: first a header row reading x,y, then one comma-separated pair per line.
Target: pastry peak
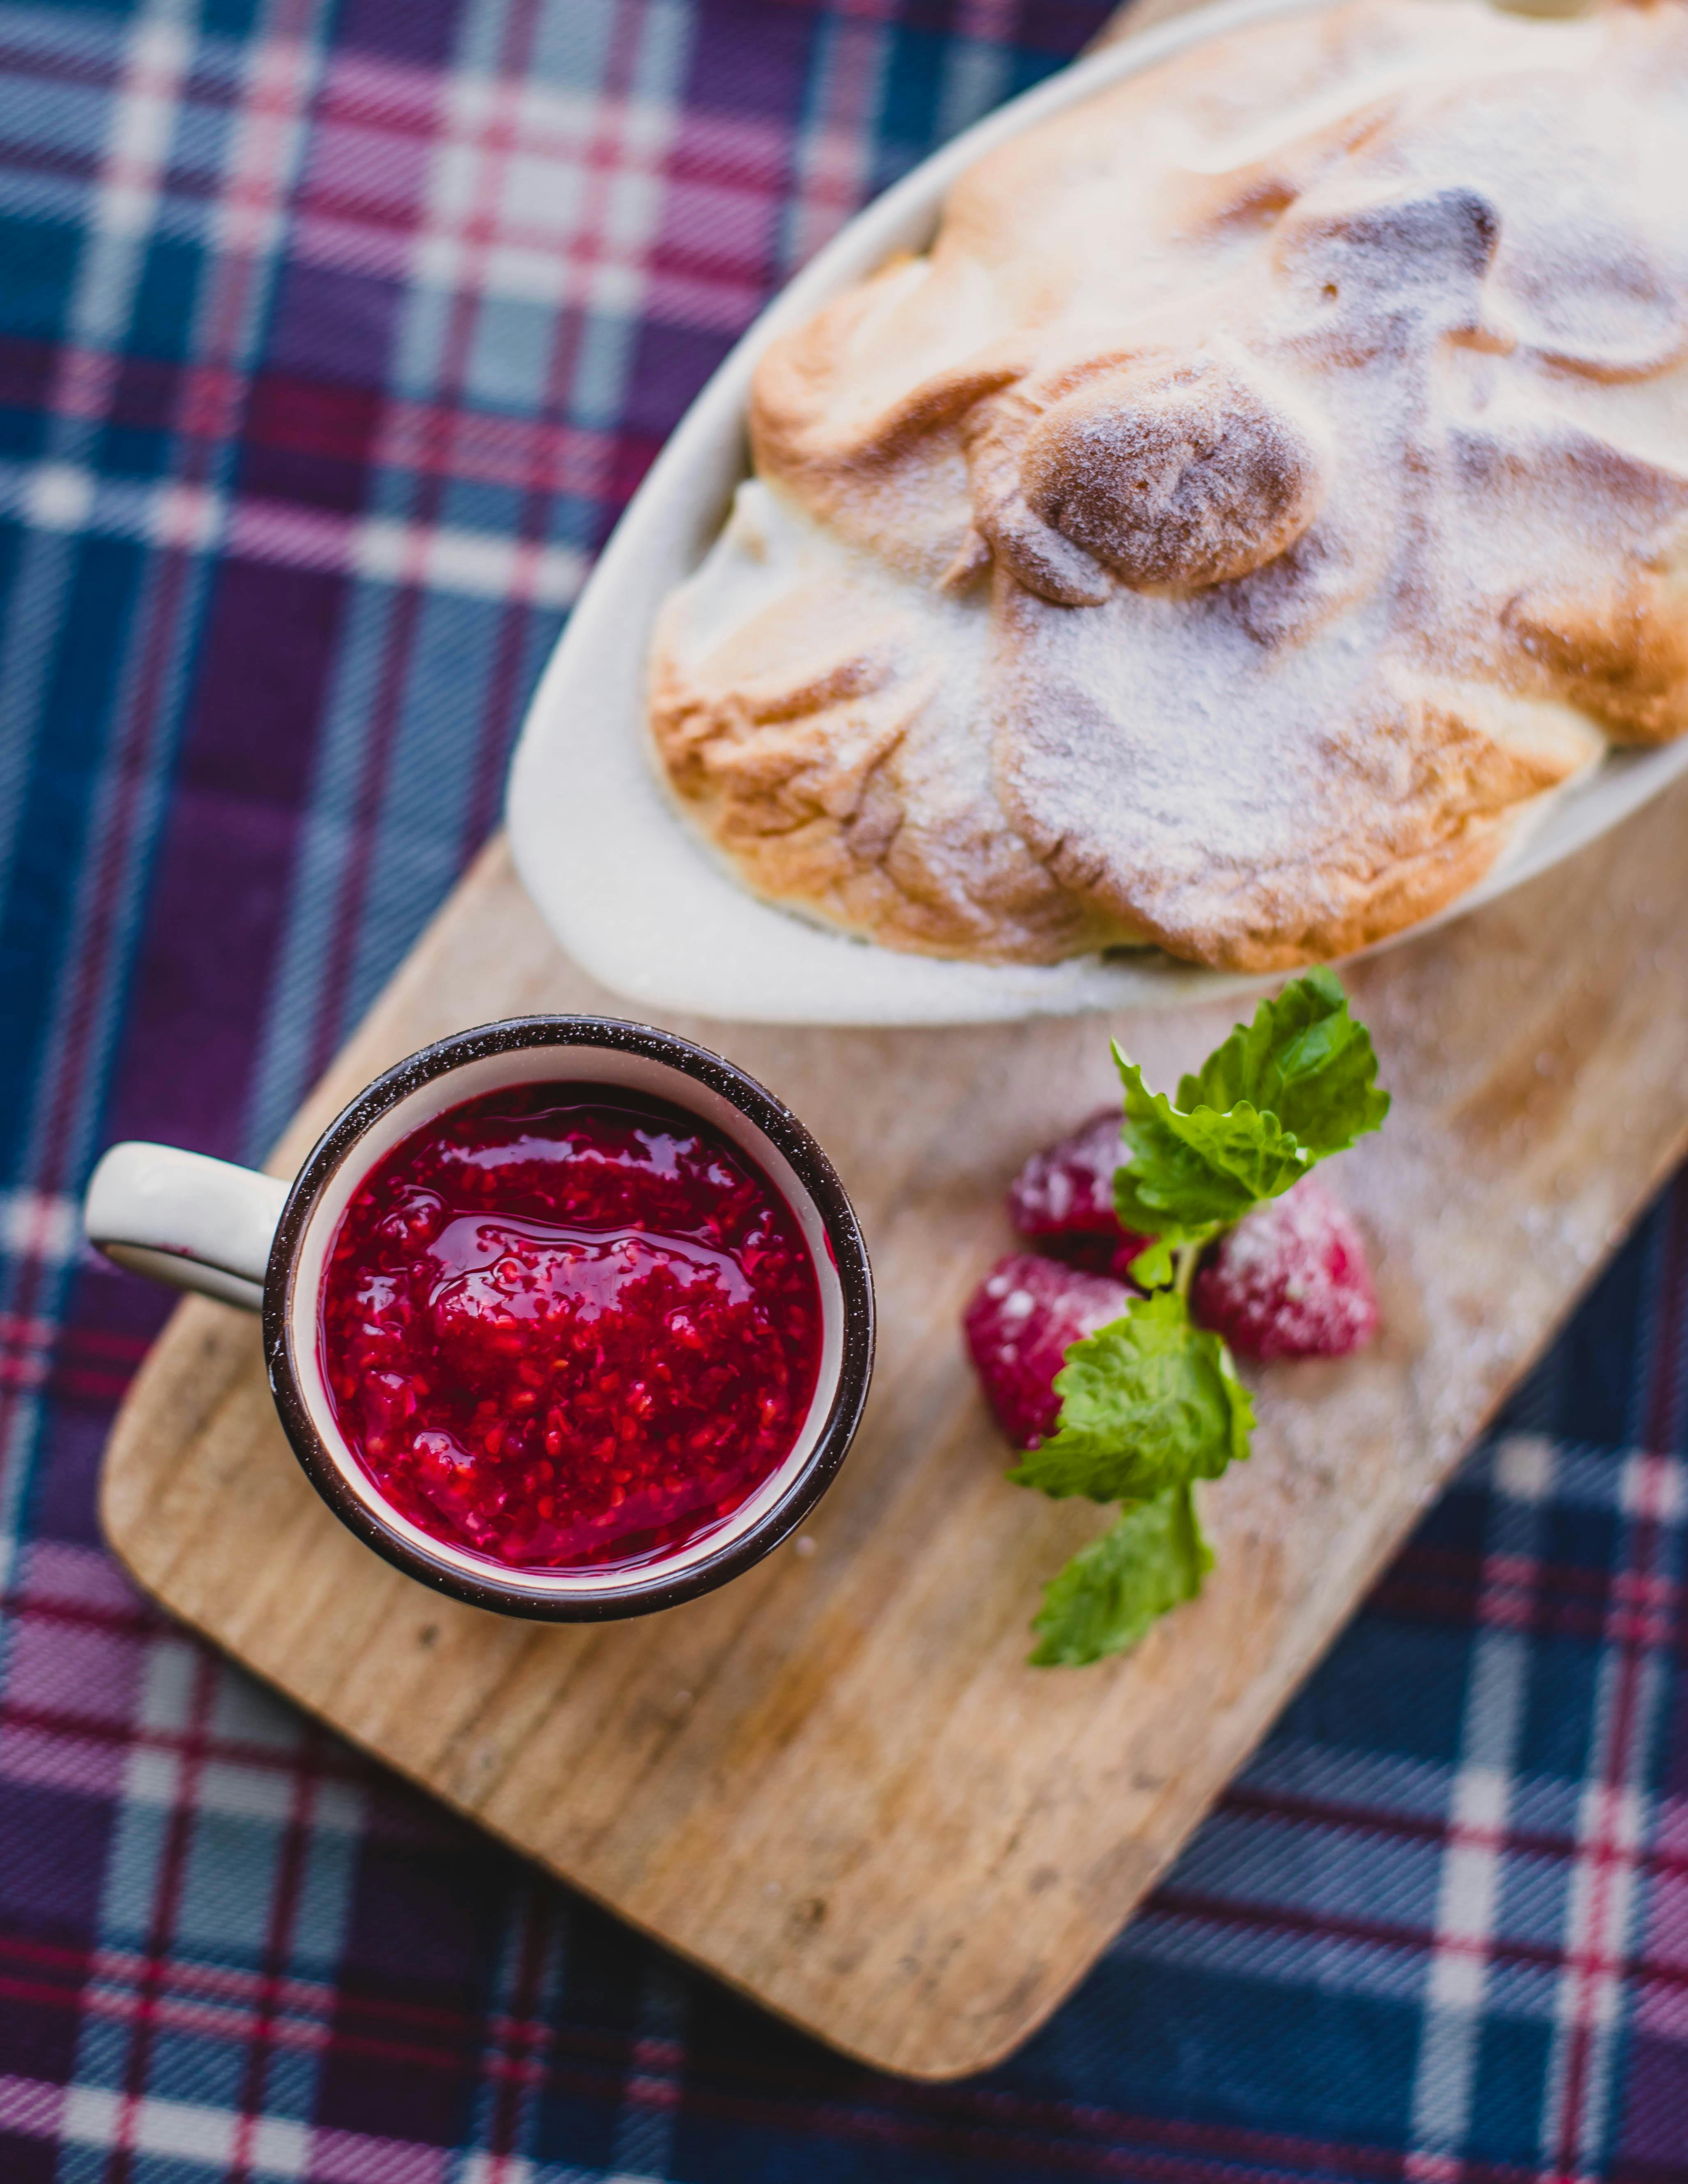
x,y
1271,484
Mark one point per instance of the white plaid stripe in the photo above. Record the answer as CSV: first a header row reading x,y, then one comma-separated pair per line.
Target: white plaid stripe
x,y
42,1225
506,2108
831,159
539,197
146,714
144,1867
1613,1824
118,213
507,147
65,497
1457,1987
88,2121
128,801
1457,1979
643,2141
371,110
977,77
291,1032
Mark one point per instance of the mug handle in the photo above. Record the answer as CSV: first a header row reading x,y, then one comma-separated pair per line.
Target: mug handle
x,y
184,1219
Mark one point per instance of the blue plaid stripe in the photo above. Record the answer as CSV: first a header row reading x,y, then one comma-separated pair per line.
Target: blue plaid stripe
x,y
332,338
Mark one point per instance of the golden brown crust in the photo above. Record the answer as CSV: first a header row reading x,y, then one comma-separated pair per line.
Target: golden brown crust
x,y
808,748
1621,652
1317,409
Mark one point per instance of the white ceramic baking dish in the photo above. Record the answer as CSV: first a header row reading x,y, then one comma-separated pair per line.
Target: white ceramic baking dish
x,y
633,892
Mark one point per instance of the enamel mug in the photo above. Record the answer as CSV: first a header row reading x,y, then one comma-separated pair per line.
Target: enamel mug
x,y
251,1240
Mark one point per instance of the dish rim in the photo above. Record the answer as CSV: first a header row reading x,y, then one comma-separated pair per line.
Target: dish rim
x,y
733,956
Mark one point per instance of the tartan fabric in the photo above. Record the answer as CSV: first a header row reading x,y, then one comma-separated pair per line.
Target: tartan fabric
x,y
333,334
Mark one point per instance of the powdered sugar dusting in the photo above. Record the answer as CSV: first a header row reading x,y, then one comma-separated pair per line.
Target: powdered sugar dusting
x,y
1068,1188
1019,1324
1289,1281
1317,406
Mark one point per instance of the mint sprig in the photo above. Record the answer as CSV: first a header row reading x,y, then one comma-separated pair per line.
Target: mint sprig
x,y
1148,1403
1153,1558
1280,1095
1151,1403
1303,1059
1191,1175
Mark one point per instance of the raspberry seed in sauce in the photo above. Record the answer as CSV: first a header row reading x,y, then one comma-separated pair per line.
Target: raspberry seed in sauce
x,y
565,1327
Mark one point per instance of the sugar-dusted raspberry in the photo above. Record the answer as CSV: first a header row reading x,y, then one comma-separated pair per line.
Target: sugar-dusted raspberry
x,y
1063,1197
1290,1281
1066,1189
1018,1324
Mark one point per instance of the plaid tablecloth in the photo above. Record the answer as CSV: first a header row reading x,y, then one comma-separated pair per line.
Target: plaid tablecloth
x,y
332,337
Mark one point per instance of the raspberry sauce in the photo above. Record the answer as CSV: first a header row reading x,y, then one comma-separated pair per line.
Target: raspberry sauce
x,y
567,1328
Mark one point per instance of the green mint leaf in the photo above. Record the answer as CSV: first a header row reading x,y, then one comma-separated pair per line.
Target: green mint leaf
x,y
1152,1269
1303,1059
1190,1175
1154,1558
1147,1402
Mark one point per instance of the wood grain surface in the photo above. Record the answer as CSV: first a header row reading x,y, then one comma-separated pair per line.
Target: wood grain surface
x,y
835,1783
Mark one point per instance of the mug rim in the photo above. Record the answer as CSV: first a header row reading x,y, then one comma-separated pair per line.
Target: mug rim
x,y
639,1592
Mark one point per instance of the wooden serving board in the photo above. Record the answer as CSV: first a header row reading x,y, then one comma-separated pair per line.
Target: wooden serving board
x,y
835,1783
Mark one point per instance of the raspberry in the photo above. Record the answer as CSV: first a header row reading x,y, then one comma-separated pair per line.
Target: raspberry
x,y
1290,1281
1018,1324
1063,1197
